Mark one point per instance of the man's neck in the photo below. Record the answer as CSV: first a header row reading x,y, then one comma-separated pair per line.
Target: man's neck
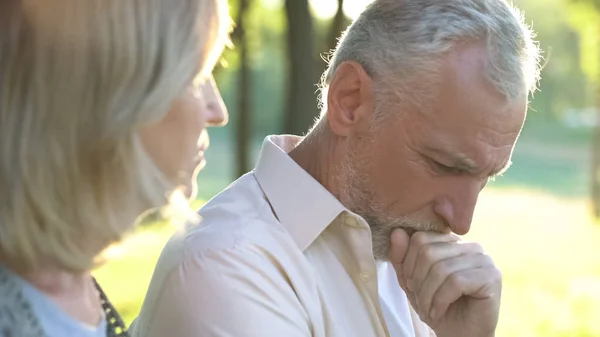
x,y
320,158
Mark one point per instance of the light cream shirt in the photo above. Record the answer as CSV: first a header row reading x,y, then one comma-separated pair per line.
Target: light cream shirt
x,y
276,255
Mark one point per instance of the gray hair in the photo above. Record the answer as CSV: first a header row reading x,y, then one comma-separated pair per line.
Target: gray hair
x,y
401,43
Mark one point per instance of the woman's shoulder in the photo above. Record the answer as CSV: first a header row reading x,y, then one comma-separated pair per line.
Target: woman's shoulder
x,y
16,314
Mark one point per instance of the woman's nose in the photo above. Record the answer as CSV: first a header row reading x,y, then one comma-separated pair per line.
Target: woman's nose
x,y
216,111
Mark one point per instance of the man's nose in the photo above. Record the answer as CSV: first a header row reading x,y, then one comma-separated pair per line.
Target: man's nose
x,y
458,206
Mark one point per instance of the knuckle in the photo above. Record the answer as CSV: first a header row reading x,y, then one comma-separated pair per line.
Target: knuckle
x,y
474,247
488,261
440,269
419,238
496,275
456,280
428,253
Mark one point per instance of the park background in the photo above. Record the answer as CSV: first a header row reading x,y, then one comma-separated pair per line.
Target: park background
x,y
537,221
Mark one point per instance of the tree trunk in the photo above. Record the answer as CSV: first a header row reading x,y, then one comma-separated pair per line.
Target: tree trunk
x,y
302,102
337,25
596,158
244,128
596,146
596,152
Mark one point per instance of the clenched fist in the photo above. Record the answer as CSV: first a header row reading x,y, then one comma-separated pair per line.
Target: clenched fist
x,y
453,285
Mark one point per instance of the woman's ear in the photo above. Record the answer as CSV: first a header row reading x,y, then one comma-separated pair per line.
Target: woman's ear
x,y
350,102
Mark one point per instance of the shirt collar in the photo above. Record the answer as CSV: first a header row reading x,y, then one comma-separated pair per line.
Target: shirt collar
x,y
299,201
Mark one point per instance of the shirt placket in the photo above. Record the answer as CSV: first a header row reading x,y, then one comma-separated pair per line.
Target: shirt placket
x,y
366,278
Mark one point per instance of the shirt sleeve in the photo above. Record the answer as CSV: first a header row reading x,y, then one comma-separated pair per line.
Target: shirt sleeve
x,y
234,292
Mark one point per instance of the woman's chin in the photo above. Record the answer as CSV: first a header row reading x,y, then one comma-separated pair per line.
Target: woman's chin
x,y
190,191
190,187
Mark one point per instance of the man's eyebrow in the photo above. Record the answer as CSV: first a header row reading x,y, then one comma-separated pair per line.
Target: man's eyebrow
x,y
464,163
459,161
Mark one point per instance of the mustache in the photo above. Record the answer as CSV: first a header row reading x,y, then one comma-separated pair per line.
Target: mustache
x,y
409,224
413,225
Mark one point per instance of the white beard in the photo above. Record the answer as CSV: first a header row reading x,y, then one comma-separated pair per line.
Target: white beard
x,y
356,193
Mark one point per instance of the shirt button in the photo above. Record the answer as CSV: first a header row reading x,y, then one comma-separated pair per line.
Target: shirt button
x,y
365,277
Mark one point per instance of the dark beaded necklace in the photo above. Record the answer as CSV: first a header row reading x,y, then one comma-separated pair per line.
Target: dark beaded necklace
x,y
114,324
17,317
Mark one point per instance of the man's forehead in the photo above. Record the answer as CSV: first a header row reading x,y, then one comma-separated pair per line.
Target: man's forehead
x,y
472,139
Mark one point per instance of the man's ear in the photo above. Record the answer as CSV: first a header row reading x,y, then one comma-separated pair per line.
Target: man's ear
x,y
350,102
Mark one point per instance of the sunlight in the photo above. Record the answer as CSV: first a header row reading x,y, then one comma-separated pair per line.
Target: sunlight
x,y
324,9
272,5
353,8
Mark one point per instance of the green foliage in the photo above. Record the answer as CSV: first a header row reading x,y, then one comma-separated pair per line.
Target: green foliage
x,y
265,38
265,28
584,15
563,84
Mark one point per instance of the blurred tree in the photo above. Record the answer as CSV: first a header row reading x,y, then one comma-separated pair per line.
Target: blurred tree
x,y
339,23
243,125
558,39
302,104
585,16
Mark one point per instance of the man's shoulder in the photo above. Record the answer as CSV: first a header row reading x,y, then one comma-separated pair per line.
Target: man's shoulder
x,y
238,238
237,217
237,222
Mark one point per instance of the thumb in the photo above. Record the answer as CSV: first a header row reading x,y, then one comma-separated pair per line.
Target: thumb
x,y
398,250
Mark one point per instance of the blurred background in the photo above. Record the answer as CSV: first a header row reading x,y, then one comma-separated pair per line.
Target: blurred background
x,y
538,221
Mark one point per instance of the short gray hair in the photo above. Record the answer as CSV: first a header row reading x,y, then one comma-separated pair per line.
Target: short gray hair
x,y
399,41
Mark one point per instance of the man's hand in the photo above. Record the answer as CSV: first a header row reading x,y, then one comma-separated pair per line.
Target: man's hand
x,y
453,285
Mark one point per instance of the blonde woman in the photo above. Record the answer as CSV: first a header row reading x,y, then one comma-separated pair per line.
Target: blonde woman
x,y
103,110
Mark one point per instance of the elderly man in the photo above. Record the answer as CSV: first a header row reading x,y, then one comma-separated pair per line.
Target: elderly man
x,y
354,229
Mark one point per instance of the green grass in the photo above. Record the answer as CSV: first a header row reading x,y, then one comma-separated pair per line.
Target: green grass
x,y
547,250
551,159
534,221
563,170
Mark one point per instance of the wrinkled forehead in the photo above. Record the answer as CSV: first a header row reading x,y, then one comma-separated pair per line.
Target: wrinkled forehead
x,y
470,103
477,143
479,126
470,117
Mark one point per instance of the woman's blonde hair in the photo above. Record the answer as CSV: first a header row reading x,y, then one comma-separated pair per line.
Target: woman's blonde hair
x,y
78,80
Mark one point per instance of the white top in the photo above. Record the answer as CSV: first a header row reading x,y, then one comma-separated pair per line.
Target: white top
x,y
276,255
53,320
